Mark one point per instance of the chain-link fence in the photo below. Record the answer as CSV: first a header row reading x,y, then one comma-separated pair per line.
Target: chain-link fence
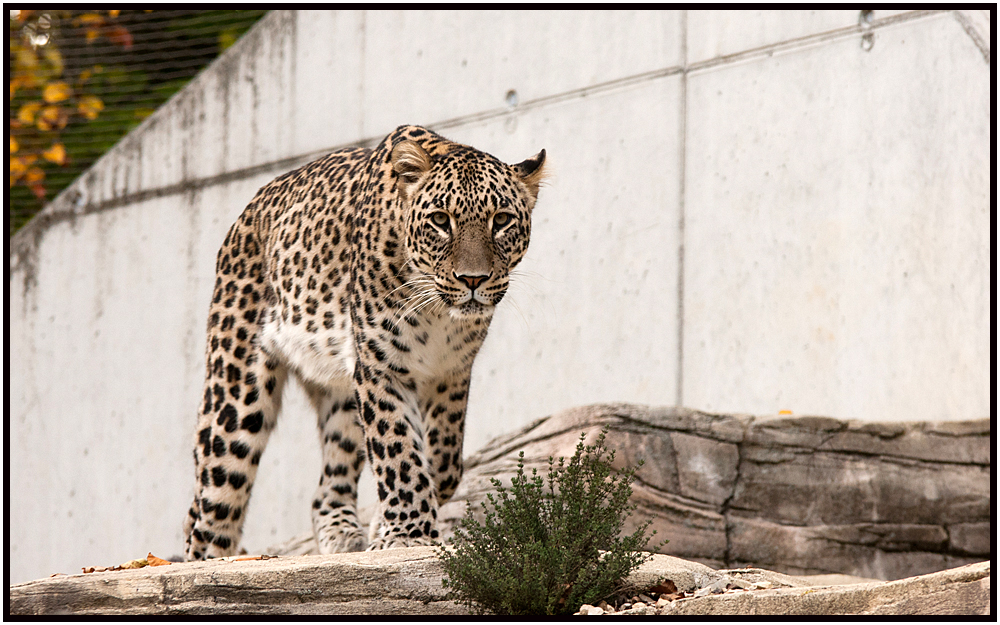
x,y
80,80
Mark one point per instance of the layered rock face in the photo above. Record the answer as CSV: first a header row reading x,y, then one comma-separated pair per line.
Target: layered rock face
x,y
798,495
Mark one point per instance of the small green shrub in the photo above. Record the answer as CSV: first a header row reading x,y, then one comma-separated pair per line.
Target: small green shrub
x,y
541,552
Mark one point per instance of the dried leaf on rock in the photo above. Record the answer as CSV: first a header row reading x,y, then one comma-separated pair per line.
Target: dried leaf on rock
x,y
154,561
667,587
245,558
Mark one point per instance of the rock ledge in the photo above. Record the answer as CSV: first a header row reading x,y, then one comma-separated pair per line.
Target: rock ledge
x,y
408,581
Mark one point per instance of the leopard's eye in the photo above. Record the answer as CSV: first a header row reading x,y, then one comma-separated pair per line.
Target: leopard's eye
x,y
441,220
500,220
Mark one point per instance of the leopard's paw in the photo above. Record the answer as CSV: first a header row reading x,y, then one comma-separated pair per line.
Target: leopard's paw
x,y
395,541
343,542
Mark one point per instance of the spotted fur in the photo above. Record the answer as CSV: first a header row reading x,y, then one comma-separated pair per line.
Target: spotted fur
x,y
372,276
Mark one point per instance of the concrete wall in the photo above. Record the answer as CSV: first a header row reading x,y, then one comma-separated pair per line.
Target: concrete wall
x,y
750,212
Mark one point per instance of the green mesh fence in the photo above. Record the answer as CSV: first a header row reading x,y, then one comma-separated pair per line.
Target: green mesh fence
x,y
81,79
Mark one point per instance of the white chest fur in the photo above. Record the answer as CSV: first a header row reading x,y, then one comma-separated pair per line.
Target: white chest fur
x,y
437,346
325,357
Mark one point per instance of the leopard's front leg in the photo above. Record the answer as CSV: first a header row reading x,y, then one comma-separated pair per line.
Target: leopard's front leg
x,y
407,508
444,407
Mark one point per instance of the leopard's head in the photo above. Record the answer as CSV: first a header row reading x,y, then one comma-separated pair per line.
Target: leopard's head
x,y
468,222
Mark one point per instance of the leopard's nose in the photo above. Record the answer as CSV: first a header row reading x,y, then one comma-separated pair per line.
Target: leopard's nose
x,y
472,281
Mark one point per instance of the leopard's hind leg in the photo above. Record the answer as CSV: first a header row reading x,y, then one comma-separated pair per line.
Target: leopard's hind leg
x,y
334,506
240,405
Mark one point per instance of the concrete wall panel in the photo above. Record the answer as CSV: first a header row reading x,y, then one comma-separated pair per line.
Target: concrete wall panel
x,y
816,218
329,79
436,66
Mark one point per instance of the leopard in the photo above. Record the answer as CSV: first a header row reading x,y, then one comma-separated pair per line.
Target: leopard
x,y
370,275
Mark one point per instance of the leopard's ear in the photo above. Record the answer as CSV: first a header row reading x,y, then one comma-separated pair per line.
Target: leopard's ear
x,y
532,172
410,162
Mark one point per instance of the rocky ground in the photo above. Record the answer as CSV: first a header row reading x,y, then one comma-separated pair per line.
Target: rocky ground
x,y
408,582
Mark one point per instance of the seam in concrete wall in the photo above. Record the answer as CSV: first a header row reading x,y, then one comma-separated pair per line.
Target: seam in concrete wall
x,y
808,41
682,163
982,40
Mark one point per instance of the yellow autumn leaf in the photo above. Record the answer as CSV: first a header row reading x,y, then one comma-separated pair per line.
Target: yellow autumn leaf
x,y
25,61
90,106
26,114
54,57
52,117
33,175
90,19
85,76
226,39
17,166
13,144
114,12
55,154
92,22
15,82
56,92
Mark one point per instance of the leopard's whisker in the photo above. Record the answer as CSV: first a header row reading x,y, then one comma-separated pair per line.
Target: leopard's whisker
x,y
411,283
517,309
